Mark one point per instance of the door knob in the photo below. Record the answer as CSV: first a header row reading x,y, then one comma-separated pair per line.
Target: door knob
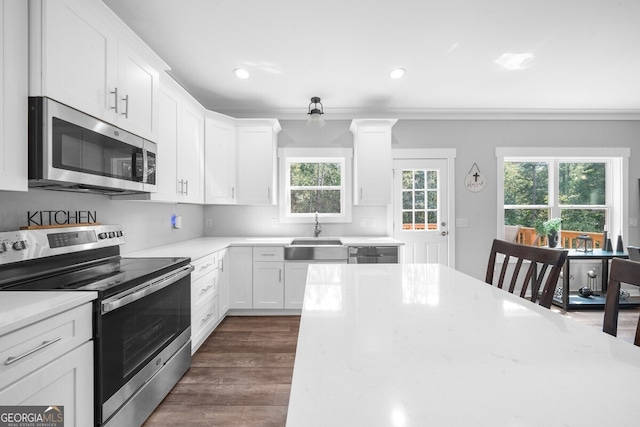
x,y
444,233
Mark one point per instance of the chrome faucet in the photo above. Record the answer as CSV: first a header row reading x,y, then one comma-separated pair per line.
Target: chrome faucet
x,y
318,229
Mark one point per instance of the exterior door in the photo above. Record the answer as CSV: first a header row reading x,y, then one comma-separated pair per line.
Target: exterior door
x,y
420,209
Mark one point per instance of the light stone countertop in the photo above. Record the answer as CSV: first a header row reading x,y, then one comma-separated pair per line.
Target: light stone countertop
x,y
425,345
197,248
22,308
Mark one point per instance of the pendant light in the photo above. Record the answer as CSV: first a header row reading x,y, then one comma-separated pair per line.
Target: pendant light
x,y
315,113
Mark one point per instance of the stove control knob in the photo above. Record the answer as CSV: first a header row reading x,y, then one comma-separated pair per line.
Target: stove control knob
x,y
3,247
20,245
102,236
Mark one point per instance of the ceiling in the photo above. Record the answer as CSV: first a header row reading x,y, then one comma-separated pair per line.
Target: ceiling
x,y
585,55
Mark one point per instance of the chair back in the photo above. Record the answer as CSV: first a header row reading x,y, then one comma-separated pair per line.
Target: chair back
x,y
634,253
622,271
540,261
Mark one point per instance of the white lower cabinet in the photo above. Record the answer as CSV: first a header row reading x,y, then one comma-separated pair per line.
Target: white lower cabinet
x,y
268,277
223,282
50,363
295,276
204,299
268,284
240,277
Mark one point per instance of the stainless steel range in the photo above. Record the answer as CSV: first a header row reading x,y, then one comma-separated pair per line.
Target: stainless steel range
x,y
142,317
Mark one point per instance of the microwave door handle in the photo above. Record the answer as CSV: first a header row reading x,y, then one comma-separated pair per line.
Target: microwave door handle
x,y
145,166
135,174
139,292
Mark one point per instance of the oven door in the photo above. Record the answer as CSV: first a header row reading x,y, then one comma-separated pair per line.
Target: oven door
x,y
138,331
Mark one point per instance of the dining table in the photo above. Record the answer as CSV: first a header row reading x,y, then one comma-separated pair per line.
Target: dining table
x,y
403,345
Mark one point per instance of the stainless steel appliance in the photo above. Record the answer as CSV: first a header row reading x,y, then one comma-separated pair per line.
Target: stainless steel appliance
x,y
373,255
72,151
142,317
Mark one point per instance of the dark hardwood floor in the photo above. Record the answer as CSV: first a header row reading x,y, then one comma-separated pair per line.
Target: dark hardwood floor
x,y
241,376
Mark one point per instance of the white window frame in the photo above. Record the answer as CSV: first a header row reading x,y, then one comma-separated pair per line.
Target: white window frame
x,y
617,177
289,155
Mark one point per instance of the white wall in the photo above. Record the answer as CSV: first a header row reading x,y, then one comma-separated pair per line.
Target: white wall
x,y
145,224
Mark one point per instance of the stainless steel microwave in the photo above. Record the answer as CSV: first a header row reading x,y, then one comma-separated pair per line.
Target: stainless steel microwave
x,y
72,151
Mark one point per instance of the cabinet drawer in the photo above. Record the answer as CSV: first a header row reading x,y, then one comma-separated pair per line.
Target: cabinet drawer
x,y
29,348
205,313
203,265
204,287
268,253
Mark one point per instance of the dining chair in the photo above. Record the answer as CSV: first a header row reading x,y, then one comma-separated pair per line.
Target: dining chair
x,y
540,260
622,271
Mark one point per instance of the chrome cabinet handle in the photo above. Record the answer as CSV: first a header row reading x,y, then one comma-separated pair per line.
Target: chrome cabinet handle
x,y
268,192
126,104
204,267
233,192
279,275
186,187
44,344
205,289
207,317
360,193
115,94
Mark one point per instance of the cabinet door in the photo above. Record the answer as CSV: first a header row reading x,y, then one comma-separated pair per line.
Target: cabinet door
x,y
240,277
67,381
373,163
268,284
223,279
13,95
190,155
167,185
256,160
295,278
220,162
79,59
138,93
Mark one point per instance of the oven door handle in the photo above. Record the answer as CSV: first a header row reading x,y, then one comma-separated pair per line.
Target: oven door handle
x,y
145,289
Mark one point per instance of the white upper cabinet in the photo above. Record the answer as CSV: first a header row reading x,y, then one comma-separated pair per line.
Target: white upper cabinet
x,y
83,56
257,157
372,161
13,95
137,88
191,154
220,160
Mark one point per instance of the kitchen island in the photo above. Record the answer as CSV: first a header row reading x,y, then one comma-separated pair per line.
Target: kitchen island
x,y
425,345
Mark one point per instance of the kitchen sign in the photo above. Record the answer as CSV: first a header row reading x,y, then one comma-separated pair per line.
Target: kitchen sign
x,y
48,218
474,181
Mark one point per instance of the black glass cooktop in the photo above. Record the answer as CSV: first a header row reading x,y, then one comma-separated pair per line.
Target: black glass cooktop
x,y
107,277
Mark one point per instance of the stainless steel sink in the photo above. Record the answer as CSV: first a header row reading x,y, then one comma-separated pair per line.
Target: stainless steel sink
x,y
315,241
316,249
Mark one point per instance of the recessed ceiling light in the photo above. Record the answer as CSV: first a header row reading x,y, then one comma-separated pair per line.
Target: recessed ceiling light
x,y
397,73
241,73
515,61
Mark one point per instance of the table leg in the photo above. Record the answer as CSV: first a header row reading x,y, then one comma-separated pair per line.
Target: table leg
x,y
565,285
605,274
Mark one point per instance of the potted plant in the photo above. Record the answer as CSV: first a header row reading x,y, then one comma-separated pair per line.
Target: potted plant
x,y
551,229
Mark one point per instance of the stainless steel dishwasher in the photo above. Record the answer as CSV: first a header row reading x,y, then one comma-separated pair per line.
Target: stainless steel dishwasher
x,y
373,254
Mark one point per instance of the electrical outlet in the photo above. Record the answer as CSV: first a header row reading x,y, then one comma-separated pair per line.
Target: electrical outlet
x,y
274,222
363,222
372,222
633,222
208,222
